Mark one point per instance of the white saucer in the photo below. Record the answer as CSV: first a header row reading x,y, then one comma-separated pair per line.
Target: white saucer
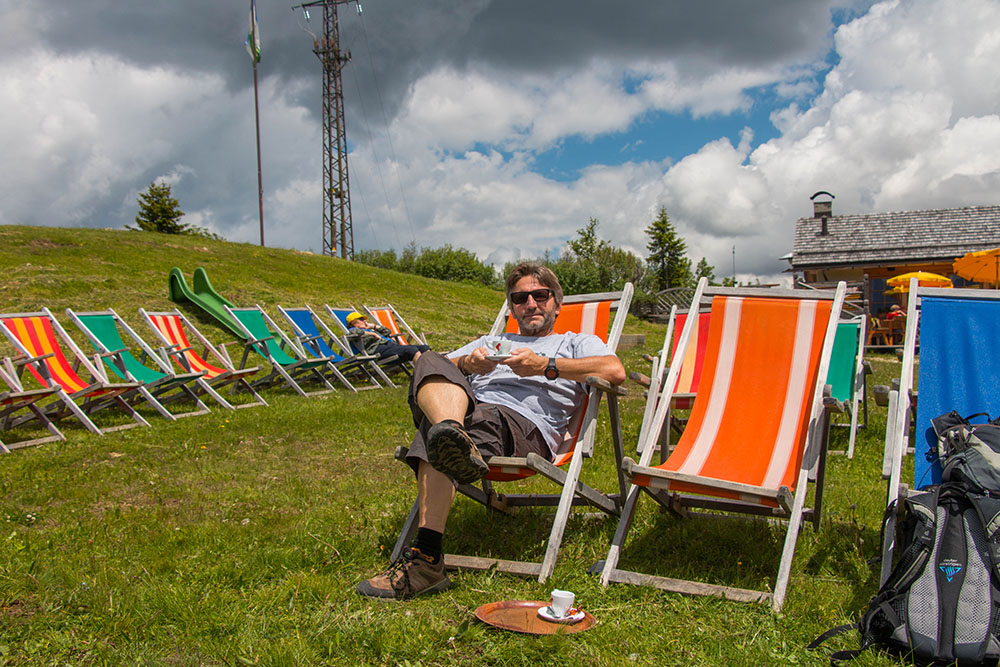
x,y
548,615
499,357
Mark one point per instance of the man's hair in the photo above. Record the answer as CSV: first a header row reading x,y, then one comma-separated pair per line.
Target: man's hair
x,y
542,274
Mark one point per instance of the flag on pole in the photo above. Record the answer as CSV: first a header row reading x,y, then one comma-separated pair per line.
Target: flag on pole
x,y
252,42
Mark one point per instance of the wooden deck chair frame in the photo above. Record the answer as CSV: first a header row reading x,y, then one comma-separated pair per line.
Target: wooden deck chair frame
x,y
174,331
312,343
276,342
786,504
910,412
387,364
41,341
390,318
15,399
573,492
162,386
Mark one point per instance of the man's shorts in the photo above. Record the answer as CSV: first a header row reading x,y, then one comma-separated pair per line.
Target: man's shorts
x,y
496,429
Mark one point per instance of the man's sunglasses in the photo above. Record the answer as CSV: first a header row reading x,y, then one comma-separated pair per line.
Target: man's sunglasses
x,y
539,295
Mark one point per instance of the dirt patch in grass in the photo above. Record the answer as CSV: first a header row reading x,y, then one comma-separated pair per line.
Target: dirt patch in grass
x,y
17,610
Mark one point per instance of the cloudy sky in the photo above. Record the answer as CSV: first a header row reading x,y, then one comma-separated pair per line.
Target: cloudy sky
x,y
503,126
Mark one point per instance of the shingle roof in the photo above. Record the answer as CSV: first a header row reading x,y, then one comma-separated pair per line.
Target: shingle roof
x,y
877,238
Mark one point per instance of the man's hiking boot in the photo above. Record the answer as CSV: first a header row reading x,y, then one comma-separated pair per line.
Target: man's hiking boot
x,y
411,575
451,450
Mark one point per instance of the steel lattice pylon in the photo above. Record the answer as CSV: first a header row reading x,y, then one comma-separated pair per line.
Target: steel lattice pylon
x,y
337,223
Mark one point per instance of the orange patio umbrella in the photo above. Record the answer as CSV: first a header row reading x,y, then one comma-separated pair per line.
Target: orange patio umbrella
x,y
982,266
901,283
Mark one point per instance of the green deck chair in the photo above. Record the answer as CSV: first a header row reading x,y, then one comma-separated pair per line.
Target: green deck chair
x,y
847,374
160,385
266,339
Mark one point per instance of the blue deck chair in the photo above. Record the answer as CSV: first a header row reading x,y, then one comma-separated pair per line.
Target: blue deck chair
x,y
315,340
265,338
339,315
160,385
959,334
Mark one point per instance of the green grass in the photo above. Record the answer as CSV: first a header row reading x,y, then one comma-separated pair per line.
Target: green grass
x,y
237,538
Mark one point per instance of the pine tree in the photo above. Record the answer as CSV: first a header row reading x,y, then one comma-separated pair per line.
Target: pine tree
x,y
705,270
159,211
667,253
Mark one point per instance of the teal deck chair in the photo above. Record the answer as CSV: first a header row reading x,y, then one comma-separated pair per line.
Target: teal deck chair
x,y
159,385
266,339
315,340
848,373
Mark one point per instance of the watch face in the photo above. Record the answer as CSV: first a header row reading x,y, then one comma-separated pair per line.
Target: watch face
x,y
551,372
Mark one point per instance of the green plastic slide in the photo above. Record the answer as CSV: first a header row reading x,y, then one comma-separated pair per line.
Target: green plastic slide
x,y
203,296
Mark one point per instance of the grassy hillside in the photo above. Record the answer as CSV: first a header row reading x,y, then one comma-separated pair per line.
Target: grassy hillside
x,y
94,269
237,538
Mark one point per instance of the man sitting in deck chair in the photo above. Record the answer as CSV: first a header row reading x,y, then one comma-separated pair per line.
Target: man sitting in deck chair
x,y
467,407
376,339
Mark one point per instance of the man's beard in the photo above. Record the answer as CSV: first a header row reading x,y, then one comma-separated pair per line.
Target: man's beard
x,y
536,329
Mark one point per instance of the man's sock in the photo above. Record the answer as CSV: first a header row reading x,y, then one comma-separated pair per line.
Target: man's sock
x,y
452,421
429,543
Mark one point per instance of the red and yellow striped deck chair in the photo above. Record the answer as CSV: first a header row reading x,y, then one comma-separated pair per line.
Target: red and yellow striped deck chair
x,y
41,340
388,317
583,313
13,401
756,429
172,329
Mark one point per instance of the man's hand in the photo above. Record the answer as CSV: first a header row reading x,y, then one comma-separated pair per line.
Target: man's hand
x,y
476,362
525,363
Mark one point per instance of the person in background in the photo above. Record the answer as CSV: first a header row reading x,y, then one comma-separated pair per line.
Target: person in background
x,y
376,339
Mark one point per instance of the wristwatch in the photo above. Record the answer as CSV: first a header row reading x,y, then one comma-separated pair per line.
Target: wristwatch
x,y
551,372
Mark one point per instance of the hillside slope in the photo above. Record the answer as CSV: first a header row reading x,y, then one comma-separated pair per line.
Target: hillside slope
x,y
90,269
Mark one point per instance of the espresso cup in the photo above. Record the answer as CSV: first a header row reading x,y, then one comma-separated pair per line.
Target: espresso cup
x,y
561,602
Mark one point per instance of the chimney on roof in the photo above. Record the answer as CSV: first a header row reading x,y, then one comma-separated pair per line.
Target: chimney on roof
x,y
822,210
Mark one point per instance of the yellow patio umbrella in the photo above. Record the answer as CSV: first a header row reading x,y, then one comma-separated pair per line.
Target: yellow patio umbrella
x,y
901,283
982,266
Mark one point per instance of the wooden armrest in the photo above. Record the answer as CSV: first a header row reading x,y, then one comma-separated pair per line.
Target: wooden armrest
x,y
111,353
21,361
605,386
222,346
259,340
640,378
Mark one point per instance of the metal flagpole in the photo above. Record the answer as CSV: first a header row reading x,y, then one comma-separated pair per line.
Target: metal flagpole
x,y
253,48
260,182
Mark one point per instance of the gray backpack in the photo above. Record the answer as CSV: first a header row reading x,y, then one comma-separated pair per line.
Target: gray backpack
x,y
941,603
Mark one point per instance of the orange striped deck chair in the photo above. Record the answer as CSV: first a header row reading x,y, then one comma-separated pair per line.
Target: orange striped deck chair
x,y
13,401
40,340
584,313
388,317
173,329
692,363
757,427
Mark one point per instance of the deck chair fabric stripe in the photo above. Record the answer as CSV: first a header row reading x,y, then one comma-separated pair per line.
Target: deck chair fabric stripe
x,y
959,369
589,318
38,338
170,327
716,449
842,363
385,318
693,363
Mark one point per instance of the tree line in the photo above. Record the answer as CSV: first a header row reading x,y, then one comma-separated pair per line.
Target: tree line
x,y
588,263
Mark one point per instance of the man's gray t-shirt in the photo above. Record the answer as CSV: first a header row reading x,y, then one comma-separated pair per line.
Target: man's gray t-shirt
x,y
549,404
